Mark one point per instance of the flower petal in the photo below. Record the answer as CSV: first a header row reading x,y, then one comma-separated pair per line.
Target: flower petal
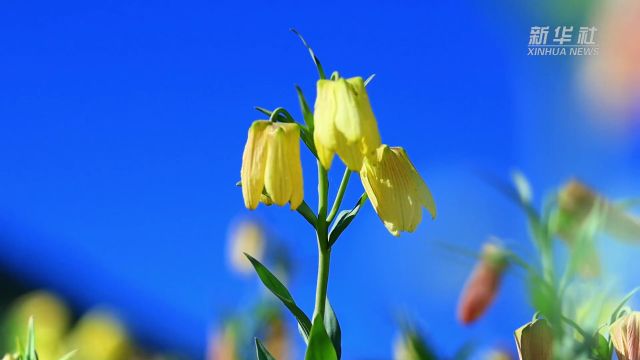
x,y
253,163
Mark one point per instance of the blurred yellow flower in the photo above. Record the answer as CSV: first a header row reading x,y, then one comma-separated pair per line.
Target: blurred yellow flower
x,y
396,190
51,315
344,122
535,341
99,336
625,334
271,163
483,284
498,355
245,237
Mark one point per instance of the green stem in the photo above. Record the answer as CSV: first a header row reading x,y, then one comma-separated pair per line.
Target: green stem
x,y
339,196
324,252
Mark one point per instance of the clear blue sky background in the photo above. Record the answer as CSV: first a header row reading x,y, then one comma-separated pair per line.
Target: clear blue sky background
x,y
122,126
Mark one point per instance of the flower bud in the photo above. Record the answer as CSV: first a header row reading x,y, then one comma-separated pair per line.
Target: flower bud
x,y
344,122
483,284
535,341
222,345
625,334
271,164
396,190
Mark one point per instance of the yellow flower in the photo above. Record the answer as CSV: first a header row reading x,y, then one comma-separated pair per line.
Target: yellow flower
x,y
535,341
344,122
271,163
99,336
396,190
245,237
625,334
483,285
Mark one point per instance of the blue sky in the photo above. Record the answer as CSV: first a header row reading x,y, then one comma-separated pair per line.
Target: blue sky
x,y
122,126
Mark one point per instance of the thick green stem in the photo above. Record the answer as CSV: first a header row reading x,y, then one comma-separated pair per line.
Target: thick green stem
x,y
339,196
324,252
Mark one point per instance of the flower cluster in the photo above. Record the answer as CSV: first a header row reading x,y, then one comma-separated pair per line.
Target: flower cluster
x,y
344,124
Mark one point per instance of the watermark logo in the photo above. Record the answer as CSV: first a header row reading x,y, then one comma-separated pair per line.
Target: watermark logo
x,y
562,41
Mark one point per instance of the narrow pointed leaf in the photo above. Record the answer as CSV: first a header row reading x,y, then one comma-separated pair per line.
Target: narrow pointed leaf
x,y
281,292
332,326
320,346
30,351
262,352
306,111
69,355
344,218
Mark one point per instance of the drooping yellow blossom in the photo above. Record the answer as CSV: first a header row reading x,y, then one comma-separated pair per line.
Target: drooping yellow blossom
x,y
271,163
344,122
483,284
396,190
535,341
245,237
625,334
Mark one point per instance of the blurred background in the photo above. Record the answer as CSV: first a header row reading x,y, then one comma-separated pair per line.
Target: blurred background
x,y
122,126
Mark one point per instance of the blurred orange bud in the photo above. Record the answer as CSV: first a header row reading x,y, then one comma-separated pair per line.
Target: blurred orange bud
x,y
625,334
222,345
277,340
483,284
535,341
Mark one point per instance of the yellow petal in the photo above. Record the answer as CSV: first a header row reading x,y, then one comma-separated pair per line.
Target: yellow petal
x,y
276,180
370,134
294,164
350,154
253,163
347,118
535,341
324,133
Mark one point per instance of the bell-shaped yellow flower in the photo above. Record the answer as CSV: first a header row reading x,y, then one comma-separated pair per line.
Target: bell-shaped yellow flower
x,y
344,122
625,334
396,190
535,341
271,163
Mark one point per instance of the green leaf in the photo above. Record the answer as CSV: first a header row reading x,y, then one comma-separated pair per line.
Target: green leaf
x,y
369,79
332,326
522,186
344,218
69,355
616,313
30,351
602,349
315,59
320,347
280,291
306,111
262,352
